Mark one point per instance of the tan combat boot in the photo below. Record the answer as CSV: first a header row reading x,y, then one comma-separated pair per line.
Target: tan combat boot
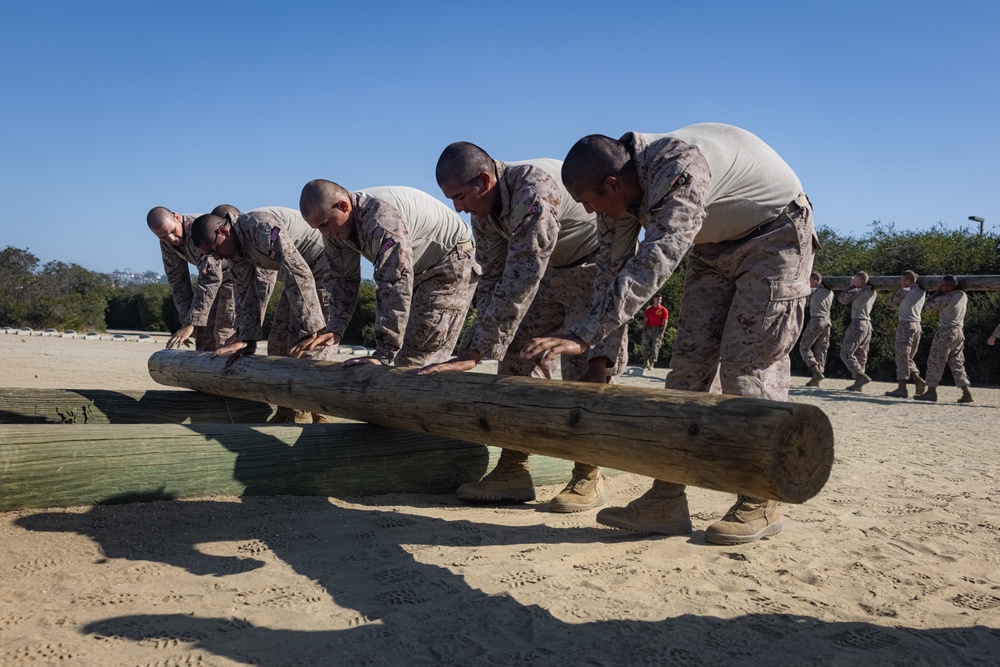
x,y
747,521
510,481
860,380
929,395
282,416
899,392
817,375
301,417
585,491
663,509
918,383
966,396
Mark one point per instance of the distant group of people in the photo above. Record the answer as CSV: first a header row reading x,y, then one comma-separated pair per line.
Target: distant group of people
x,y
560,257
910,300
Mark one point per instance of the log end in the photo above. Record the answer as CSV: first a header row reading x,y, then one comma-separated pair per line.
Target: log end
x,y
801,464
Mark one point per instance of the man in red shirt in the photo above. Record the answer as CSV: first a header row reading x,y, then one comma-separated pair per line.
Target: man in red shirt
x,y
652,333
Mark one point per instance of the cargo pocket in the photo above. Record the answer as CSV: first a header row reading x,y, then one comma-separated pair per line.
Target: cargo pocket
x,y
783,320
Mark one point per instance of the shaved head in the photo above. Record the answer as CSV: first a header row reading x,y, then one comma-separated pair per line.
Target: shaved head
x,y
862,276
158,216
949,280
226,211
204,227
591,160
461,162
817,276
319,196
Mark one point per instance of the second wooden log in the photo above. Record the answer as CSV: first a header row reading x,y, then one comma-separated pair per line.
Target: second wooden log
x,y
765,449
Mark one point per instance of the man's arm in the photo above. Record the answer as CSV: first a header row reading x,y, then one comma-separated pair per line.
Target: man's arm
x,y
343,281
937,301
534,230
300,285
896,299
394,288
209,281
849,295
179,277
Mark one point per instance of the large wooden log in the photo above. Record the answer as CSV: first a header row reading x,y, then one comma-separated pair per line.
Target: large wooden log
x,y
929,283
57,465
760,448
103,406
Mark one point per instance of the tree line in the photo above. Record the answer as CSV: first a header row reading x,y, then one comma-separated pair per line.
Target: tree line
x,y
67,296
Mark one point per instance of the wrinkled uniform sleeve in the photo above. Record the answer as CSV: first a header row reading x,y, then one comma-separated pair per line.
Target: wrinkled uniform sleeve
x,y
937,302
300,286
343,282
393,281
179,277
680,181
491,255
251,285
849,295
609,264
209,281
534,224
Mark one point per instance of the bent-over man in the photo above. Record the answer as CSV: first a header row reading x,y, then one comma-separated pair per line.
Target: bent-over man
x,y
425,269
537,248
727,196
208,310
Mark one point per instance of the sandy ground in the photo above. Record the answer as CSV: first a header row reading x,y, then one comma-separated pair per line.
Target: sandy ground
x,y
895,562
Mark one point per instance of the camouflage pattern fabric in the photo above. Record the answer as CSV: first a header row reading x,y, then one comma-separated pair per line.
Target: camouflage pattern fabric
x,y
854,348
907,341
947,349
815,342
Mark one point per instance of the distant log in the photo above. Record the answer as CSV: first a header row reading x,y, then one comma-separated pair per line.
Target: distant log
x,y
759,448
62,465
929,283
103,406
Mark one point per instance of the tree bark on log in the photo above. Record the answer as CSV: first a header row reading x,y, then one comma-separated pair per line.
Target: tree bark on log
x,y
929,283
765,449
56,465
103,406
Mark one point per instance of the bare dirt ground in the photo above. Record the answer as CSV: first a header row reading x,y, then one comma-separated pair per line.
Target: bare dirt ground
x,y
895,562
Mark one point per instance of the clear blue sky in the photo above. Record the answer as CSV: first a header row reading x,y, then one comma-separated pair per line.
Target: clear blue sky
x,y
886,110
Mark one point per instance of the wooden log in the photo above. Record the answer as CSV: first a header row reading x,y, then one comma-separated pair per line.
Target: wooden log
x,y
102,406
760,448
56,465
929,283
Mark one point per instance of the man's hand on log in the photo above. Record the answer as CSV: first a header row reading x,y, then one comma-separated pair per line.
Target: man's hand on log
x,y
182,337
548,347
992,340
236,350
465,361
312,341
361,360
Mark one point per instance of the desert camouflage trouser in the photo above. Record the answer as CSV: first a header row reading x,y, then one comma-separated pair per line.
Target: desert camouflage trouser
x,y
854,348
652,339
743,309
221,320
947,349
563,298
907,341
286,328
440,302
815,342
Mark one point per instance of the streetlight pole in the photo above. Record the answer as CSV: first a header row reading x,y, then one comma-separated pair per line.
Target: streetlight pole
x,y
976,218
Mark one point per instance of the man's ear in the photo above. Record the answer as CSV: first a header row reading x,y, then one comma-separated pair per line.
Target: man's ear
x,y
342,205
485,180
612,183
